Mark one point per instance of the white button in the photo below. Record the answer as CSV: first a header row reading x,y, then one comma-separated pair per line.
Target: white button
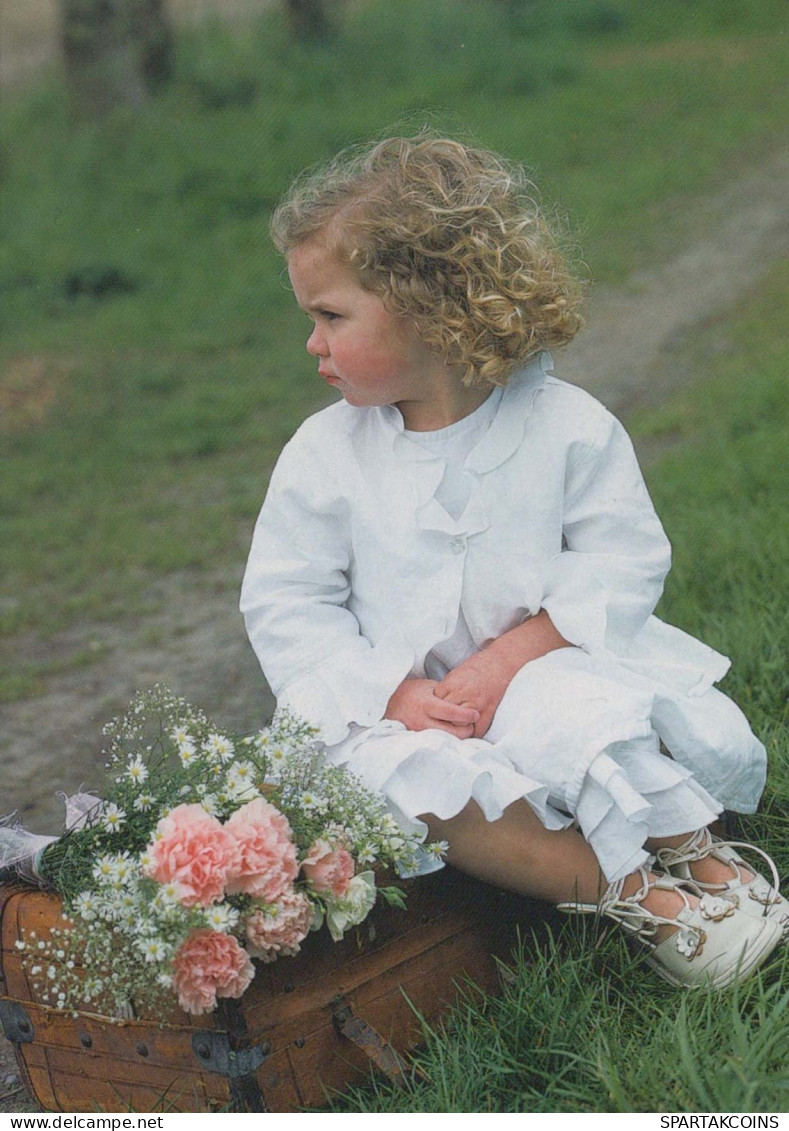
x,y
457,545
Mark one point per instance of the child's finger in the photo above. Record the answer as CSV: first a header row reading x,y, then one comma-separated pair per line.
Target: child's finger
x,y
450,688
458,713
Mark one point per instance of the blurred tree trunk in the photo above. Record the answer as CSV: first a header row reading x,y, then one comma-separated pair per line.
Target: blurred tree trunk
x,y
308,19
115,51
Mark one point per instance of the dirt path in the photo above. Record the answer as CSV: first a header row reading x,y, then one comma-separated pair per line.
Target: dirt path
x,y
625,356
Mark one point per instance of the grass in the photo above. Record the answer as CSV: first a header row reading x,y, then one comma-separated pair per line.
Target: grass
x,y
574,1035
150,371
583,1027
722,493
152,364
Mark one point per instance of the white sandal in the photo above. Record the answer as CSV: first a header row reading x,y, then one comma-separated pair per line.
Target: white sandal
x,y
755,897
714,944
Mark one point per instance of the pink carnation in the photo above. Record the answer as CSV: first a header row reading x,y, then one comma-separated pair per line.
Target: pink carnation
x,y
210,965
194,851
266,863
329,868
281,931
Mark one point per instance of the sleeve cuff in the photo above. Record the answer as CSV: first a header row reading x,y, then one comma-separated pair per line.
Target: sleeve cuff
x,y
576,603
354,686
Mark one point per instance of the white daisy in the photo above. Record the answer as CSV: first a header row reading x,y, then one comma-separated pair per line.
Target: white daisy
x,y
137,771
113,817
240,781
86,906
180,735
152,950
218,747
167,900
103,869
222,918
311,803
366,854
122,868
210,803
187,752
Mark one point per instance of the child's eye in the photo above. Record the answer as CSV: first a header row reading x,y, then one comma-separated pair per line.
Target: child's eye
x,y
329,315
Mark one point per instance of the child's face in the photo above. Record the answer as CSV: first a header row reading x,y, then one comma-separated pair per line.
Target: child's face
x,y
370,356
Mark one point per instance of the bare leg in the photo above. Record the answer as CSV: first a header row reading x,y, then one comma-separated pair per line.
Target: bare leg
x,y
717,942
518,853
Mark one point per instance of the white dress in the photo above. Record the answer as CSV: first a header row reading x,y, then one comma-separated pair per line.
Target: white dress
x,y
381,553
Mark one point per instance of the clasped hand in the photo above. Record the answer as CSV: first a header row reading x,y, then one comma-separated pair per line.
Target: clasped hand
x,y
463,703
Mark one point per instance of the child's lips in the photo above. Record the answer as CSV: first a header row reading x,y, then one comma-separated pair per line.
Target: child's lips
x,y
327,376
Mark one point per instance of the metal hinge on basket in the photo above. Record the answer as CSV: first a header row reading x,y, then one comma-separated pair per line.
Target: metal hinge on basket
x,y
366,1038
213,1051
215,1054
16,1023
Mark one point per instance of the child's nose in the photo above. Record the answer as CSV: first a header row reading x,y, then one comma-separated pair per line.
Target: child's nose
x,y
316,344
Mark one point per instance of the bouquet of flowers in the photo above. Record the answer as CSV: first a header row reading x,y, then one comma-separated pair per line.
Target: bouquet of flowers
x,y
206,852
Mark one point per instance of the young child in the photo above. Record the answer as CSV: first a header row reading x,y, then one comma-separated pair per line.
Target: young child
x,y
455,567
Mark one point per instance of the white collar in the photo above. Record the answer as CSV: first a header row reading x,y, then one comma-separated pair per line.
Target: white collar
x,y
501,439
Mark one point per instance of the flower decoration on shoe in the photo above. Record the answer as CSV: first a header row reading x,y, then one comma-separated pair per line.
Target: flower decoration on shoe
x,y
710,945
690,941
745,888
716,907
761,892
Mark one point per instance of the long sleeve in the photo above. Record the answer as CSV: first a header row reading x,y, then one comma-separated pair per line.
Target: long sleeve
x,y
605,584
294,600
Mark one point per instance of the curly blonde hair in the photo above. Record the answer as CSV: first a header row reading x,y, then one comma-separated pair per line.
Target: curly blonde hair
x,y
451,238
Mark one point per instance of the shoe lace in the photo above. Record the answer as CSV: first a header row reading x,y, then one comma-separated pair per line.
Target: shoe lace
x,y
703,843
627,911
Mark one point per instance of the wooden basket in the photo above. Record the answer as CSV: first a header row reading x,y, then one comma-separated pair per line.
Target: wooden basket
x,y
305,1027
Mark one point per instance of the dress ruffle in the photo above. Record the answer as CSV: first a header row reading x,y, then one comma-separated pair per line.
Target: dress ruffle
x,y
577,739
431,771
631,793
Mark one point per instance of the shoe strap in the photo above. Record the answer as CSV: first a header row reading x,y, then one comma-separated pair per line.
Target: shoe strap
x,y
703,843
629,913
